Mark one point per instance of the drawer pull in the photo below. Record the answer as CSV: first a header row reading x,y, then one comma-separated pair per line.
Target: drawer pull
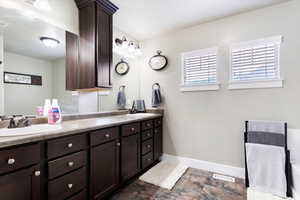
x,y
148,124
70,164
107,136
149,146
132,129
70,145
70,186
149,159
37,173
118,144
11,161
148,134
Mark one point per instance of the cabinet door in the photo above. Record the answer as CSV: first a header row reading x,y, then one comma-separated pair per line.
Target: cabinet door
x,y
72,59
23,184
158,143
104,168
104,47
130,156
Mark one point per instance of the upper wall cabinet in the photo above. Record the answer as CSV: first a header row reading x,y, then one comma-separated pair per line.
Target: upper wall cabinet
x,y
95,44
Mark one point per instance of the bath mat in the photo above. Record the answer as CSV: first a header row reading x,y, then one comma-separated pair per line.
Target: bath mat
x,y
164,174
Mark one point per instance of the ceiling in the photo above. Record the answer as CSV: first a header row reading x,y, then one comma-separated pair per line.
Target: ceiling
x,y
22,35
144,19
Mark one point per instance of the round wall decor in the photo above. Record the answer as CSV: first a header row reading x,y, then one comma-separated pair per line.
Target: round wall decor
x,y
158,62
122,67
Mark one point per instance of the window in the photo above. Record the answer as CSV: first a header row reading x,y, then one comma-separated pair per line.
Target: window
x,y
199,70
255,64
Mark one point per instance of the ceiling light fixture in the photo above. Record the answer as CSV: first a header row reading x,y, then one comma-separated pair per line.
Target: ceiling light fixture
x,y
50,42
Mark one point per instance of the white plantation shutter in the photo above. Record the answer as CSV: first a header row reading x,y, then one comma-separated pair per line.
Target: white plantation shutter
x,y
199,67
256,60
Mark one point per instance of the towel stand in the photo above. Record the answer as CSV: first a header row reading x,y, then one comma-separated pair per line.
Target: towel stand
x,y
288,166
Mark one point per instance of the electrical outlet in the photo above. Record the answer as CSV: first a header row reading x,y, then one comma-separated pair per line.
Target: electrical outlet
x,y
224,178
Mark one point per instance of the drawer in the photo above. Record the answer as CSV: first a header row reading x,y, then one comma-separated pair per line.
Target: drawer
x,y
147,125
130,129
63,146
66,164
147,146
147,160
67,185
104,135
158,122
80,196
147,135
19,157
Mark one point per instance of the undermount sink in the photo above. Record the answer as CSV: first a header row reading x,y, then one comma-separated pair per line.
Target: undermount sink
x,y
30,130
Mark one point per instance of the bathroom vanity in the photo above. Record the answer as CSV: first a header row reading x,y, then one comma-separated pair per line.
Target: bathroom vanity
x,y
85,159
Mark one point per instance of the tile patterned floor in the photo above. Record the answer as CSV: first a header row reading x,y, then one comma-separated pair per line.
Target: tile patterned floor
x,y
194,185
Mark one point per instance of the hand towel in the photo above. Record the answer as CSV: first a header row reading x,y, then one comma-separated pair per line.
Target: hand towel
x,y
156,95
121,99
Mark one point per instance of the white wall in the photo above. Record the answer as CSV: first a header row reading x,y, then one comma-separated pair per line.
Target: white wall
x,y
1,77
23,99
209,125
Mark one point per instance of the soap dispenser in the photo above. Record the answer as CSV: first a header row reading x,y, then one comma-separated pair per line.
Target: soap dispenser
x,y
56,111
47,107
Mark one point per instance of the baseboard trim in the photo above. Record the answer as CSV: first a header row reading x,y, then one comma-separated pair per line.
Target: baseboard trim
x,y
208,166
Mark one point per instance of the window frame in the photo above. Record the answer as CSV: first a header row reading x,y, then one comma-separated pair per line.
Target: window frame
x,y
253,84
201,86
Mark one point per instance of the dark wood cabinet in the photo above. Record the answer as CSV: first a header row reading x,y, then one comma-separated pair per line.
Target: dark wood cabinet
x,y
72,59
83,166
24,184
96,32
104,168
158,139
130,156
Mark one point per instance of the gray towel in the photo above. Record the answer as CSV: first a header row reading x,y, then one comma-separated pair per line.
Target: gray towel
x,y
121,101
156,96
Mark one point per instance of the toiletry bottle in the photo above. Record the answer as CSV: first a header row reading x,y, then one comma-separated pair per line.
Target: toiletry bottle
x,y
56,111
47,107
51,117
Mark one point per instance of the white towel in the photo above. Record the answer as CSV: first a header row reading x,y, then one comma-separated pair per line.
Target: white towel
x,y
266,168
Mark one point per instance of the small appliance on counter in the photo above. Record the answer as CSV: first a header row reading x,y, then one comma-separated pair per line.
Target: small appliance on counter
x,y
138,106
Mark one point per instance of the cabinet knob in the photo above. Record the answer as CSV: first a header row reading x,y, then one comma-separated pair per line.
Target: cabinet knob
x,y
37,173
11,161
148,134
149,159
70,164
107,135
118,144
149,146
70,186
132,129
148,124
70,145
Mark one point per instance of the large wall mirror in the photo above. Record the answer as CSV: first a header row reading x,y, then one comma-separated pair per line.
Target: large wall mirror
x,y
33,69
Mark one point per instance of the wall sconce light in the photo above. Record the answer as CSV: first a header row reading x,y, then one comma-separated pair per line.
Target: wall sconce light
x,y
132,48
